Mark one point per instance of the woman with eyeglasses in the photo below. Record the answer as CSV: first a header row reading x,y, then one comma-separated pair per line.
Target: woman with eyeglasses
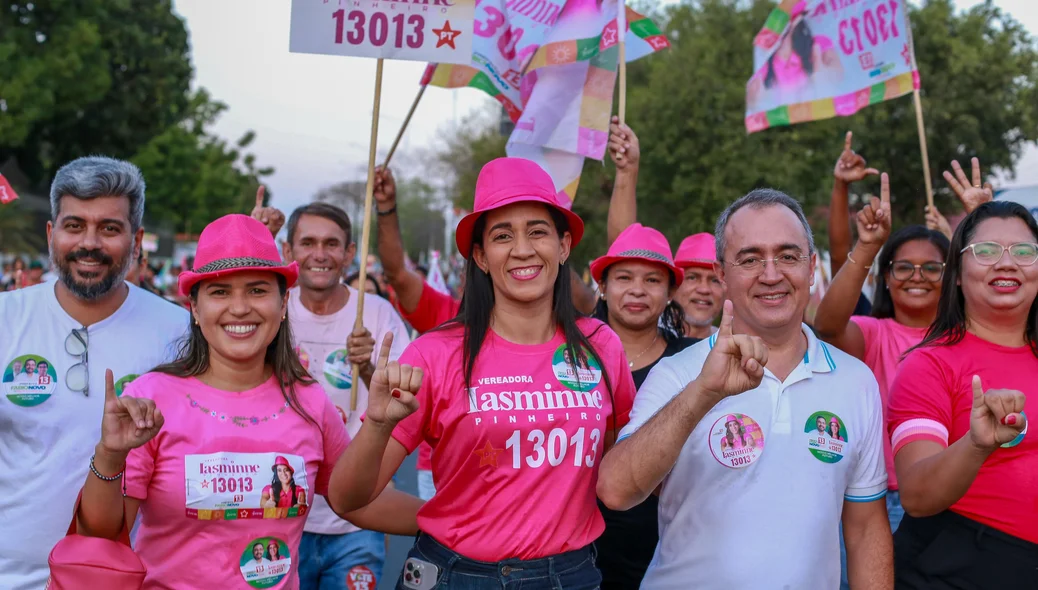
x,y
908,287
967,467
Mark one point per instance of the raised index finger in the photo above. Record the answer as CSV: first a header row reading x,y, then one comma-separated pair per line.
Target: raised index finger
x,y
383,353
847,141
109,385
259,196
725,329
884,189
976,171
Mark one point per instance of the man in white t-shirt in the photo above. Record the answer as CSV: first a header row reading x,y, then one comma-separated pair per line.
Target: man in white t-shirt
x,y
752,495
73,329
322,311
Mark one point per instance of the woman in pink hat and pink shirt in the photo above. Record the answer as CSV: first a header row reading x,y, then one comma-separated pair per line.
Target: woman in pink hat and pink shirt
x,y
521,397
700,294
637,279
222,450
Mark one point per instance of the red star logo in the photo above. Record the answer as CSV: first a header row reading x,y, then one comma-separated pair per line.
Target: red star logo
x,y
205,484
446,35
487,455
243,514
609,38
907,54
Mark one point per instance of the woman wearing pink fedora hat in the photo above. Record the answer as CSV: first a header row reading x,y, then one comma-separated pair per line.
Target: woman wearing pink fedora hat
x,y
701,294
520,399
192,445
637,279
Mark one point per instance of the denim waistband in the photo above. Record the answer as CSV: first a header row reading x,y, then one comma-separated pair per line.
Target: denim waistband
x,y
447,559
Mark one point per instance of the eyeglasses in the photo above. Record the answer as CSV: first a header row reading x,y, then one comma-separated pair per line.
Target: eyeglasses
x,y
77,378
903,270
756,264
989,253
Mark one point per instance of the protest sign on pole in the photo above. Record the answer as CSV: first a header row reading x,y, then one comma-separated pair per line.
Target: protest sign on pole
x,y
383,29
821,59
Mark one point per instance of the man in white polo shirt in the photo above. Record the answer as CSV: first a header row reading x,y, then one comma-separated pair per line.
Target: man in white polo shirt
x,y
752,493
69,331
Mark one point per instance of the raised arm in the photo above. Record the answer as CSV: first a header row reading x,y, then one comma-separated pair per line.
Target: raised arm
x,y
833,318
850,167
407,284
626,154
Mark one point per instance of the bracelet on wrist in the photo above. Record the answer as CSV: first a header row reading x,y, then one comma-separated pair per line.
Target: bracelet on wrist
x,y
389,211
97,473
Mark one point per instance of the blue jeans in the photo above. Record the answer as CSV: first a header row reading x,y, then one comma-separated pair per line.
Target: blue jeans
x,y
894,512
328,562
574,570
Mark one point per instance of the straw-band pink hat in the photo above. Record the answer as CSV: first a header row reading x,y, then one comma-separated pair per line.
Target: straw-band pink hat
x,y
279,460
232,244
506,181
637,242
697,250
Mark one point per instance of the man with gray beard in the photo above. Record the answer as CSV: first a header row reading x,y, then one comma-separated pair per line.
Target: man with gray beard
x,y
75,328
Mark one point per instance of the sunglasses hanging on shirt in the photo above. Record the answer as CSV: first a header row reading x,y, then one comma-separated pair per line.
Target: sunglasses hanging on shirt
x,y
77,378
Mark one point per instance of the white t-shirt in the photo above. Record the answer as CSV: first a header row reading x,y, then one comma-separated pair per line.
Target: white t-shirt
x,y
47,432
320,341
756,496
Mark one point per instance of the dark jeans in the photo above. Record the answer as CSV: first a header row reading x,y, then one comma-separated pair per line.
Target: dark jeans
x,y
951,552
574,570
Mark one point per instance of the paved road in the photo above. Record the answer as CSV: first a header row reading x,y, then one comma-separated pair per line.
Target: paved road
x,y
407,480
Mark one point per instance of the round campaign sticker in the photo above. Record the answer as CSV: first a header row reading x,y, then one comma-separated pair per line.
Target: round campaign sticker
x,y
587,375
265,562
337,369
826,436
360,578
1020,437
121,384
29,380
736,440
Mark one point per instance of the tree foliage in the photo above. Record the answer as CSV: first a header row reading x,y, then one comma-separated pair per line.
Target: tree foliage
x,y
979,70
16,229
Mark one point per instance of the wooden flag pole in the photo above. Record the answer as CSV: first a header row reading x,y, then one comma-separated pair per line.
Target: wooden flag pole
x,y
922,146
366,231
621,31
407,119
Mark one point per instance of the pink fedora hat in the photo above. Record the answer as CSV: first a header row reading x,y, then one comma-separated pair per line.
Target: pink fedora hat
x,y
506,181
235,243
638,242
696,250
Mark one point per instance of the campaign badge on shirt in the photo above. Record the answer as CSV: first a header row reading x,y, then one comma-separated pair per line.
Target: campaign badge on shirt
x,y
337,369
576,374
233,486
29,380
361,577
121,384
265,562
826,436
736,441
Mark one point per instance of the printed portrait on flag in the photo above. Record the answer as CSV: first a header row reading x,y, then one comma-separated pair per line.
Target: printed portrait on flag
x,y
816,59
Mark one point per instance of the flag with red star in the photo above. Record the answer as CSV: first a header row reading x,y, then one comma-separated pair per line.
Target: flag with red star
x,y
7,193
860,54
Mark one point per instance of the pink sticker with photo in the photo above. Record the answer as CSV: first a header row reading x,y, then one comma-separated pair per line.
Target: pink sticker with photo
x,y
736,440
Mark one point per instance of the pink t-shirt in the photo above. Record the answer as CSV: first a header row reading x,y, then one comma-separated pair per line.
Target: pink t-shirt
x,y
219,485
517,455
931,399
885,343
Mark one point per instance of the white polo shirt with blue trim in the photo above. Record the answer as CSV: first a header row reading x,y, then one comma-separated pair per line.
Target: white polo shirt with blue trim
x,y
757,493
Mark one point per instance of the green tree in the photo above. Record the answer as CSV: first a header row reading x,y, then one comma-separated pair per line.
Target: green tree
x,y
421,217
194,176
88,76
18,232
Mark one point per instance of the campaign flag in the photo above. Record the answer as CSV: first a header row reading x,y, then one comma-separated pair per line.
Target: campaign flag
x,y
817,59
7,193
564,167
435,279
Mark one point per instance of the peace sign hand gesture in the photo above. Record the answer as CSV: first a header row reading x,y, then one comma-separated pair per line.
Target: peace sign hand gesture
x,y
972,195
874,219
391,397
996,416
128,422
735,363
851,166
271,217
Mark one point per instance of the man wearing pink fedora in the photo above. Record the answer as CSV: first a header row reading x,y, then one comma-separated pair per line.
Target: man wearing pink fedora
x,y
701,293
72,329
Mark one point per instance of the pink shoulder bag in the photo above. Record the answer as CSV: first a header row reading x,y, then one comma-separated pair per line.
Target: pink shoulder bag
x,y
78,562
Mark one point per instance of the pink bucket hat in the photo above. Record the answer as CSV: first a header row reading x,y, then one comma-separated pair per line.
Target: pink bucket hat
x,y
232,244
279,460
506,181
696,250
638,242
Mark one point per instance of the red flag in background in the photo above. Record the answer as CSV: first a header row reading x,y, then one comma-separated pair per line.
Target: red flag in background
x,y
7,193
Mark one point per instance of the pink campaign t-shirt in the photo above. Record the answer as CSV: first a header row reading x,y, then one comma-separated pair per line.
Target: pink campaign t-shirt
x,y
932,398
218,509
517,455
885,343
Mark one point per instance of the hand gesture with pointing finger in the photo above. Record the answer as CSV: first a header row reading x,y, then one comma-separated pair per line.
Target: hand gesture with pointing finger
x,y
996,417
851,166
874,219
128,422
271,217
391,397
735,363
